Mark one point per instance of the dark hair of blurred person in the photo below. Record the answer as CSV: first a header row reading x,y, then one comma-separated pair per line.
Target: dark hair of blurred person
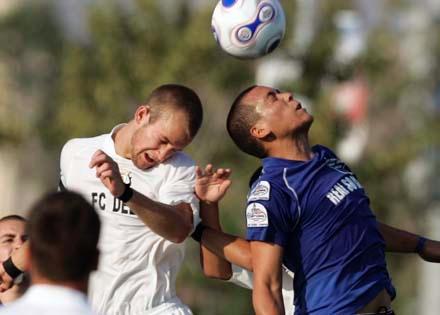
x,y
63,235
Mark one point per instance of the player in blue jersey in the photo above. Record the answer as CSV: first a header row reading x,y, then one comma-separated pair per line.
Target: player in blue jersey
x,y
308,211
219,250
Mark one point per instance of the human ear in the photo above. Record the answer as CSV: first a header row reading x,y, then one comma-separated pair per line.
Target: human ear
x,y
260,131
142,114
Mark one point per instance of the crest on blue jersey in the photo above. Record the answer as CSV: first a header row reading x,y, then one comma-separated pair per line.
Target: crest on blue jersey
x,y
256,215
260,192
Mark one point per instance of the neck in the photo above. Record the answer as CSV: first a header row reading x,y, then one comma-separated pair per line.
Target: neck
x,y
296,148
122,139
78,285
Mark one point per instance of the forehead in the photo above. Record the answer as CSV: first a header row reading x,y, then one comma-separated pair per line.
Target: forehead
x,y
258,94
174,125
9,226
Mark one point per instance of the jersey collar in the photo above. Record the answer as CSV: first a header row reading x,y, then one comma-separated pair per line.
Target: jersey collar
x,y
109,144
280,162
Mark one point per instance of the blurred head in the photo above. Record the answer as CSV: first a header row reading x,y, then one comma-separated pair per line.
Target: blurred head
x,y
12,235
167,123
261,115
63,236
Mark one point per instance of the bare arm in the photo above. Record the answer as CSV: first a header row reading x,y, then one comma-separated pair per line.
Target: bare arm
x,y
400,241
234,249
266,296
213,265
171,222
210,187
397,240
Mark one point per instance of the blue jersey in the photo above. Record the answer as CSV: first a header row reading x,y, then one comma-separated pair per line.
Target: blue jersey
x,y
320,214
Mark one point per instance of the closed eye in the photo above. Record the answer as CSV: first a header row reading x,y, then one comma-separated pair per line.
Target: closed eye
x,y
7,240
271,96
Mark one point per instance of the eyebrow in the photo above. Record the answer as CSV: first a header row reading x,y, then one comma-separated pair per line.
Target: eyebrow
x,y
8,235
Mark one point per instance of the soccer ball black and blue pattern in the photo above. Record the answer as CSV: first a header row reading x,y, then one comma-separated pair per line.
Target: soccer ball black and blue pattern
x,y
248,28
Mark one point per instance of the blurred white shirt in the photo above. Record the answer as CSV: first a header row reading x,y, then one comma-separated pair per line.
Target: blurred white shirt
x,y
244,278
49,300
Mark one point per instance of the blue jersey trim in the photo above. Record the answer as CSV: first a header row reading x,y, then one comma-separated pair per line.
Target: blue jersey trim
x,y
255,234
295,194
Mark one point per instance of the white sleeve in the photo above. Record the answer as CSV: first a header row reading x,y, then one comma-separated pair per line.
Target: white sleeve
x,y
244,278
180,188
65,161
241,277
288,296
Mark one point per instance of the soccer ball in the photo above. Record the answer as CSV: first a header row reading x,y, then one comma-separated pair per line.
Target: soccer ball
x,y
248,28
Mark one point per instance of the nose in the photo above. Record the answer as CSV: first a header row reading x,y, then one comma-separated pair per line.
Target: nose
x,y
287,96
165,152
18,243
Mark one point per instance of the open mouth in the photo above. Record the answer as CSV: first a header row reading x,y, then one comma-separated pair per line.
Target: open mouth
x,y
148,159
298,106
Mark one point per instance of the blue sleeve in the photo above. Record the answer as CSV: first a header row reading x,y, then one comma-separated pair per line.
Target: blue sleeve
x,y
270,214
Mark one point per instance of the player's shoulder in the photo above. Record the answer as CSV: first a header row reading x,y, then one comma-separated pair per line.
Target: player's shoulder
x,y
179,167
78,145
266,187
274,176
324,151
180,160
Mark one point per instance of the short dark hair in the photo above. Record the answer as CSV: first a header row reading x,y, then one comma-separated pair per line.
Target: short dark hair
x,y
63,233
178,97
13,217
240,119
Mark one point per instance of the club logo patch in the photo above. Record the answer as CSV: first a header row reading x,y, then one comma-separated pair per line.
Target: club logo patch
x,y
126,177
256,215
260,192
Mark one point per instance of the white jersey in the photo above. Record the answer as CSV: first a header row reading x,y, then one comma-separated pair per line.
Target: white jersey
x,y
138,268
244,278
49,300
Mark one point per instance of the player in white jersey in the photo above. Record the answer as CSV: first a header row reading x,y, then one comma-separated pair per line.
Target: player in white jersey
x,y
231,254
146,217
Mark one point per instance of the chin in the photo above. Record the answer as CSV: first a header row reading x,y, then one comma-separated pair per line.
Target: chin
x,y
142,165
308,123
305,124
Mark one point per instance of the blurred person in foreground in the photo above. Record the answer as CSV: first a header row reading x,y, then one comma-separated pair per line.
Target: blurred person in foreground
x,y
308,211
218,247
61,253
12,237
142,185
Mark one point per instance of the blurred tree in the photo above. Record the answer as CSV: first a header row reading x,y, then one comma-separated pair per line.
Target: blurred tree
x,y
30,53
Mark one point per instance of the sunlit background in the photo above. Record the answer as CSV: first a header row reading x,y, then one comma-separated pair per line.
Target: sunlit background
x,y
369,71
